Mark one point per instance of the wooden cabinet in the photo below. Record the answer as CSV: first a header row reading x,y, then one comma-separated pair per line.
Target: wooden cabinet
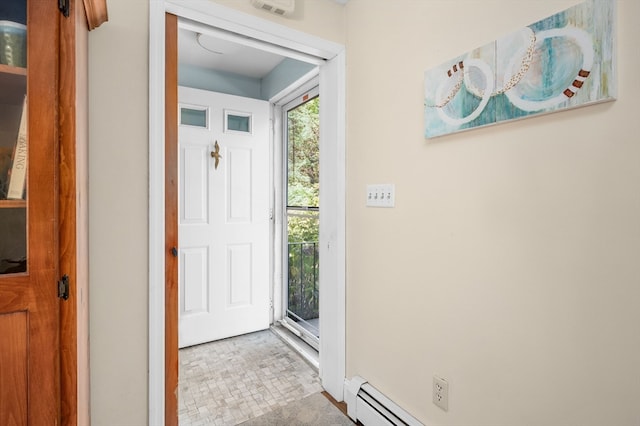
x,y
43,233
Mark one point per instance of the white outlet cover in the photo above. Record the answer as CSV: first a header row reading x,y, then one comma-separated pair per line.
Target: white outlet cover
x,y
441,393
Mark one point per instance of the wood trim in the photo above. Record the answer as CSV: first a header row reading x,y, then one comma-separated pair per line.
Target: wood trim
x,y
67,229
342,406
96,11
12,204
74,218
42,201
6,69
171,220
73,228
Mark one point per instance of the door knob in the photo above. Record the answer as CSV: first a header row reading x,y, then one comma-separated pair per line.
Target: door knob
x,y
174,251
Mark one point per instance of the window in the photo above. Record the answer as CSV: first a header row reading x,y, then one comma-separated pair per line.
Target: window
x,y
194,116
235,121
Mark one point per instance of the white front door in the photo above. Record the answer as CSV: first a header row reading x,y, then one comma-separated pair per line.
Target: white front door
x,y
223,216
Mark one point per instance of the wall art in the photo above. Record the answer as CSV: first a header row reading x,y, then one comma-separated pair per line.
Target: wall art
x,y
564,61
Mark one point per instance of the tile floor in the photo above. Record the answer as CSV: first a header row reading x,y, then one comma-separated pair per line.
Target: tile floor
x,y
233,380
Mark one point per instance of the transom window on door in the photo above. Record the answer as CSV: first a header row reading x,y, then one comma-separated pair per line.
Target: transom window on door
x,y
194,116
235,121
302,291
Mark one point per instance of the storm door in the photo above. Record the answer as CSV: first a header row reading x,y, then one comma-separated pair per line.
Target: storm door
x,y
302,261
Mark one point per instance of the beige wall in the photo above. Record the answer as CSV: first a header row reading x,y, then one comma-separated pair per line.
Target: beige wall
x,y
322,18
510,263
118,78
118,234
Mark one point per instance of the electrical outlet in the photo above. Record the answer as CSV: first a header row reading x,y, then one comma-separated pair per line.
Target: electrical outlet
x,y
441,393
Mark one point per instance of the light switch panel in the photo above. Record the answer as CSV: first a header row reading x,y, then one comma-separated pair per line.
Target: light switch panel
x,y
381,195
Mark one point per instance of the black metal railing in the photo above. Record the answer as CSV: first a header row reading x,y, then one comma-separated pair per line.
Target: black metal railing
x,y
304,279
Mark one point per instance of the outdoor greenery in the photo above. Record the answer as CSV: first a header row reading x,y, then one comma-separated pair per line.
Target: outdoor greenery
x,y
303,173
303,182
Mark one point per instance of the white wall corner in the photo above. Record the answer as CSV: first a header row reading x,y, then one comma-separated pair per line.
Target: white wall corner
x,y
156,314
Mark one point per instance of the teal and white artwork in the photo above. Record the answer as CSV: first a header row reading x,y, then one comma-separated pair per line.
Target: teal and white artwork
x,y
564,61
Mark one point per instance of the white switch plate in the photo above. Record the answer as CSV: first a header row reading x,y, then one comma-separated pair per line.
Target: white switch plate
x,y
381,195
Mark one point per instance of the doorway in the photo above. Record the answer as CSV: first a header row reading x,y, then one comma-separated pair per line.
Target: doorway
x,y
223,247
331,239
301,195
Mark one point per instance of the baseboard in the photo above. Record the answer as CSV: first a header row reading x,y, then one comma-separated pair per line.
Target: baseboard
x,y
369,406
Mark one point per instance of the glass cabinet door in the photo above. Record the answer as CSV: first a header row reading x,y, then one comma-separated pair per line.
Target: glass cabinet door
x,y
30,310
13,137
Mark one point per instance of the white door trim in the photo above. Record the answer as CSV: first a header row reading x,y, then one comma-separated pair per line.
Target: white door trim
x,y
332,236
224,18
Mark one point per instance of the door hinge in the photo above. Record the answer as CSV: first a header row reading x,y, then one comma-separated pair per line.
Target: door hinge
x,y
63,5
63,287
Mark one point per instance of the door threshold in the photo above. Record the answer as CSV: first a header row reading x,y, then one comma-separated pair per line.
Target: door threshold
x,y
309,354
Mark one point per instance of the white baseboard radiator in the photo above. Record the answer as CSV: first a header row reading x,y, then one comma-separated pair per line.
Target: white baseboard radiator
x,y
367,405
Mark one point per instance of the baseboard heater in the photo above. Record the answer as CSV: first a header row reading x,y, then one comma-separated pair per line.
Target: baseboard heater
x,y
367,405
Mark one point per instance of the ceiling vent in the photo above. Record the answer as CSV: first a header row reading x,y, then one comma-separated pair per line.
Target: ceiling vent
x,y
278,7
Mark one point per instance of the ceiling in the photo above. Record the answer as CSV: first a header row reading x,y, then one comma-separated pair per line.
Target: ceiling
x,y
220,54
210,52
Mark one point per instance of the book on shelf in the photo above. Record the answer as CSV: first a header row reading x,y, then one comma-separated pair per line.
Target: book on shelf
x,y
18,176
5,166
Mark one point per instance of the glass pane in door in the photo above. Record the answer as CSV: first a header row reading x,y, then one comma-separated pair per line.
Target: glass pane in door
x,y
303,216
13,137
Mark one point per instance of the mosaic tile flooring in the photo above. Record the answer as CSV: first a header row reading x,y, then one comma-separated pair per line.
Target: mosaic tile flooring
x,y
232,380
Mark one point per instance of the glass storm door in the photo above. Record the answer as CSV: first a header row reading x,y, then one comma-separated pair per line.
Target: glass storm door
x,y
302,291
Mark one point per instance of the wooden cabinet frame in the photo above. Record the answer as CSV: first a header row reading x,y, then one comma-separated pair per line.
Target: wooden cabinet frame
x,y
73,206
45,351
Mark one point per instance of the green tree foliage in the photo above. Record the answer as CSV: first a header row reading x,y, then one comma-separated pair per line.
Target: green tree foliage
x,y
303,173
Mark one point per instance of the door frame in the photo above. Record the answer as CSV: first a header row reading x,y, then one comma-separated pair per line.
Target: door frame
x,y
162,289
312,87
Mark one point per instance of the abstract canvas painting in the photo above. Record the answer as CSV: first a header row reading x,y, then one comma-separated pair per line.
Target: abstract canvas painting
x,y
564,61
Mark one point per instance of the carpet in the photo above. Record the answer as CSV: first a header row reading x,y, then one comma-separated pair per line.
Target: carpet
x,y
313,410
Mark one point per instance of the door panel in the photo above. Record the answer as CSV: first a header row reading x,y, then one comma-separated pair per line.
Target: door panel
x,y
239,179
239,283
224,222
196,271
195,194
13,359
